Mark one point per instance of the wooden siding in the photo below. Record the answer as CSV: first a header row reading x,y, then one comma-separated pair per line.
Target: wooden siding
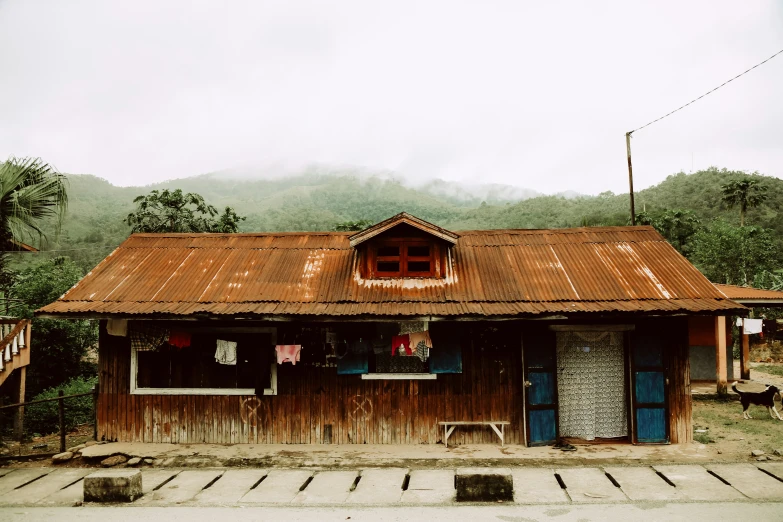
x,y
314,405
679,375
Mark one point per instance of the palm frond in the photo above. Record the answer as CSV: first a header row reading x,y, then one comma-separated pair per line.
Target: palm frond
x,y
31,193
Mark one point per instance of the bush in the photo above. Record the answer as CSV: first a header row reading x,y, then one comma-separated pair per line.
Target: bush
x,y
44,418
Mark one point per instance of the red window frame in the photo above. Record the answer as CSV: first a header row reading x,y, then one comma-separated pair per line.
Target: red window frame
x,y
404,258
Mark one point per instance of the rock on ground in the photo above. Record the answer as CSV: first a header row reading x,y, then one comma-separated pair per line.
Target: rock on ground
x,y
756,453
778,452
134,461
113,461
63,457
77,449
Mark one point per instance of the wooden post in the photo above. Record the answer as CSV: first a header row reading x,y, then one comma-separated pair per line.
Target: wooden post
x,y
745,355
721,369
630,176
95,412
61,408
19,417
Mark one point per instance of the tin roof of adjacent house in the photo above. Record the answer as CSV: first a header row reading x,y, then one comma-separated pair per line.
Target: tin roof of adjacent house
x,y
496,273
752,296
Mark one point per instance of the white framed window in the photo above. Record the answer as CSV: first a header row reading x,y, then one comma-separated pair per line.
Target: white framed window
x,y
194,370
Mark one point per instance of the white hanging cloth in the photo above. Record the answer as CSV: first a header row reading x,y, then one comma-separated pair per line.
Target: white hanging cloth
x,y
226,352
752,326
117,327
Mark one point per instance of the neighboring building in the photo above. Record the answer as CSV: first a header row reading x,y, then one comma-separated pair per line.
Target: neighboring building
x,y
713,361
571,333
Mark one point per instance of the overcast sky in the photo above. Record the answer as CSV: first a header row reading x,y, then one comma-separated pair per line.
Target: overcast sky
x,y
534,94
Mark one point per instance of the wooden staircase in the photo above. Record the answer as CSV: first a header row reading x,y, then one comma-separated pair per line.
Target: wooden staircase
x,y
14,347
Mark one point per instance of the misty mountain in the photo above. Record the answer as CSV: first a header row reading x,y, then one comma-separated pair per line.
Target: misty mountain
x,y
317,199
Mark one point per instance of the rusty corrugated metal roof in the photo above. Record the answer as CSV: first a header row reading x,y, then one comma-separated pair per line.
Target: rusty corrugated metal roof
x,y
751,296
490,273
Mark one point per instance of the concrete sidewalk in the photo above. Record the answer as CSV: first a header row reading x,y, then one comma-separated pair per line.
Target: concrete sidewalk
x,y
425,456
405,487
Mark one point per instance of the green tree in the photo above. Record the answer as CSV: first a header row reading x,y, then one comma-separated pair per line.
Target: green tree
x,y
745,193
32,193
348,226
677,226
733,255
61,348
173,211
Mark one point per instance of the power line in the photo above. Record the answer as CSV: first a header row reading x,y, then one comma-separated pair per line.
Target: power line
x,y
706,93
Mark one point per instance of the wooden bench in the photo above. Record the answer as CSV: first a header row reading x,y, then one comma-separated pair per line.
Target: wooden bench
x,y
492,424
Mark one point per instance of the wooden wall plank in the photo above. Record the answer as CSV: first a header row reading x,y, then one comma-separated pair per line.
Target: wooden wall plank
x,y
312,398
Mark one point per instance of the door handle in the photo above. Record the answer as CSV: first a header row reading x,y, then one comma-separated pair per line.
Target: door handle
x,y
528,384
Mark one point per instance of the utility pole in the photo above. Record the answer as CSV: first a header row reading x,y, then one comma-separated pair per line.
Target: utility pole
x,y
630,176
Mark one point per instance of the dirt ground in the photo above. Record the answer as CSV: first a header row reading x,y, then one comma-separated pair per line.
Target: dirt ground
x,y
47,444
720,432
734,437
726,430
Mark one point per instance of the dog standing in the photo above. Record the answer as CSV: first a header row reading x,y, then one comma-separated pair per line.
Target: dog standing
x,y
764,398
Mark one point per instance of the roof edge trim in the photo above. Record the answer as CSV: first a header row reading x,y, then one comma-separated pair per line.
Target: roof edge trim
x,y
402,217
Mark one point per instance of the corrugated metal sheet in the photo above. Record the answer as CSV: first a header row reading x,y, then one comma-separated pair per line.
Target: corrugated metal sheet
x,y
743,293
492,273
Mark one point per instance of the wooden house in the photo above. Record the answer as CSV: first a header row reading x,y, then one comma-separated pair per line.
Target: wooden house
x,y
381,336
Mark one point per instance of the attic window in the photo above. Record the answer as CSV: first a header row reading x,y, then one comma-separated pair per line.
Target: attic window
x,y
404,258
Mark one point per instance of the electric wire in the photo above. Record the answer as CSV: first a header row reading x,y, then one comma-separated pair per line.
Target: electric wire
x,y
708,92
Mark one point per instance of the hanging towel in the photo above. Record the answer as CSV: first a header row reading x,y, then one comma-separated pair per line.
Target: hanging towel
x,y
288,353
753,326
117,327
420,337
145,337
399,342
179,339
226,352
739,322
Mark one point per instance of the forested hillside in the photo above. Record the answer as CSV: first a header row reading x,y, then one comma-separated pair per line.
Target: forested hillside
x,y
318,201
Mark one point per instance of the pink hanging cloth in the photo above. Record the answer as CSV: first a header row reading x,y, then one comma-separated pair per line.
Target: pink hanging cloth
x,y
288,353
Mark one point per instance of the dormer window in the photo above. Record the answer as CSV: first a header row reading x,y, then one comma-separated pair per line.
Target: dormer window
x,y
403,246
404,258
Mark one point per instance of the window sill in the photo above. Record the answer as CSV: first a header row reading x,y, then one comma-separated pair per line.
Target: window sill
x,y
200,391
399,376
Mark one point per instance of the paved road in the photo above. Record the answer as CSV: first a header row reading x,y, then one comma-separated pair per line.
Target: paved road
x,y
685,512
745,483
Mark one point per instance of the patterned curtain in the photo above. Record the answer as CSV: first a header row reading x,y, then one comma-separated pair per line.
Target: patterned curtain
x,y
591,385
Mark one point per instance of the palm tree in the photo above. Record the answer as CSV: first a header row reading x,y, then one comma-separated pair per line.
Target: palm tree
x,y
745,193
33,196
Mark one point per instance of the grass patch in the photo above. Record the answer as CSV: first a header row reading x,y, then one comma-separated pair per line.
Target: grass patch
x,y
771,369
730,432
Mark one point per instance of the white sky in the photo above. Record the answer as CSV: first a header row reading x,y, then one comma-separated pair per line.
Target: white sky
x,y
535,94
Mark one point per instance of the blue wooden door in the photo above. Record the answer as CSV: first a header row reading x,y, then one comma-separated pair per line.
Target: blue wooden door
x,y
651,423
540,386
